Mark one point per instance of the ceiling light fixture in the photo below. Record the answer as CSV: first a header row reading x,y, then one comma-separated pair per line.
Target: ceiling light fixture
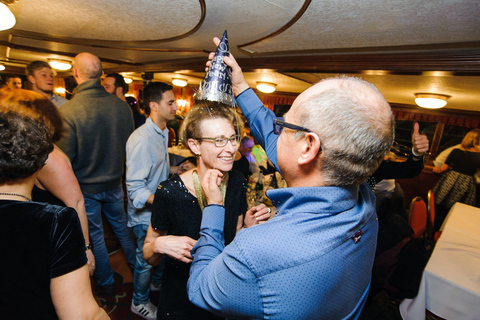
x,y
60,90
266,87
62,65
128,80
7,19
431,100
2,67
179,82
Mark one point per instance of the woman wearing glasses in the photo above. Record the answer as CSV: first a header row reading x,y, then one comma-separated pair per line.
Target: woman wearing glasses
x,y
212,132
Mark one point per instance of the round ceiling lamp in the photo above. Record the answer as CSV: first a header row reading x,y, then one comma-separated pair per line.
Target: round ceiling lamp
x,y
266,87
128,80
7,19
431,100
2,67
62,65
179,82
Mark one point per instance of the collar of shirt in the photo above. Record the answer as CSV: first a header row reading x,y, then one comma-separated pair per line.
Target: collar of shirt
x,y
328,200
151,124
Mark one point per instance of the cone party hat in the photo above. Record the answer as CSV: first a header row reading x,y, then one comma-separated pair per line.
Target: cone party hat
x,y
217,85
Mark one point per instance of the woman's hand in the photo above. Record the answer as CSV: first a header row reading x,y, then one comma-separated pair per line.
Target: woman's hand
x,y
256,215
91,261
176,247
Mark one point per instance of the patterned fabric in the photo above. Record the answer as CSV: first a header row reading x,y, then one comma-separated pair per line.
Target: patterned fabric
x,y
455,187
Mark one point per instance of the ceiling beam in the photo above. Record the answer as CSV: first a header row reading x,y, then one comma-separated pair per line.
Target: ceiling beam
x,y
458,61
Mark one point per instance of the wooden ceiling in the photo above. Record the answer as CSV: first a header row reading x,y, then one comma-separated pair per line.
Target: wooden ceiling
x,y
402,46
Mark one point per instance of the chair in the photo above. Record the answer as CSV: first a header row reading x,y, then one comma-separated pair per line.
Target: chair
x,y
430,209
431,216
171,137
418,217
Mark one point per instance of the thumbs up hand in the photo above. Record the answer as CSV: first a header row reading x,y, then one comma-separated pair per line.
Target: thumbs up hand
x,y
419,141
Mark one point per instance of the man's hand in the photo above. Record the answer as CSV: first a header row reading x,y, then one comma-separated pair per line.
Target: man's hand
x,y
238,81
211,186
176,247
419,141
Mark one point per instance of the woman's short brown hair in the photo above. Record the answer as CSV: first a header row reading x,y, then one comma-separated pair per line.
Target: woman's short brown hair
x,y
26,133
204,110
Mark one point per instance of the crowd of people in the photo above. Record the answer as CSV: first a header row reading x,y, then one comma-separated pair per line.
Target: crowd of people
x,y
187,230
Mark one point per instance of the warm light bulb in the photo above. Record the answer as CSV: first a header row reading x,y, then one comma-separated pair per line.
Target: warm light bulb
x,y
431,100
128,80
7,19
181,103
2,67
266,87
60,65
60,90
179,82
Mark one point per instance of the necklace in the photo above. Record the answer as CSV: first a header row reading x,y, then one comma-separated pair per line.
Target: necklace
x,y
202,200
15,194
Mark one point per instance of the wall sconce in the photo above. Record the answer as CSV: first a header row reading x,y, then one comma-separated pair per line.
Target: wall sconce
x,y
7,19
266,87
62,65
60,90
179,82
431,100
181,103
128,80
2,67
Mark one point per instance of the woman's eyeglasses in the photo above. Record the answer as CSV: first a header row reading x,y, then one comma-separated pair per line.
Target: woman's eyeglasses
x,y
221,141
278,126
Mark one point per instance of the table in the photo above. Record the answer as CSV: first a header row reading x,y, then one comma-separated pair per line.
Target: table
x,y
450,286
178,154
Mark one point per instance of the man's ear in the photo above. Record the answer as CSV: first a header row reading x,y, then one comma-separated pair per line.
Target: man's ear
x,y
118,91
31,79
75,72
153,106
193,145
310,148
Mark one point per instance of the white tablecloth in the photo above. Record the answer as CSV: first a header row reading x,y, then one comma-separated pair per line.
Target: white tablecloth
x,y
450,286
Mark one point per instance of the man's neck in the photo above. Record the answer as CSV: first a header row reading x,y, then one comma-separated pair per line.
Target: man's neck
x,y
47,94
161,123
121,96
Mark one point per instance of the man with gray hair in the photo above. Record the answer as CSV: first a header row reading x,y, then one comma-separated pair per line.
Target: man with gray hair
x,y
314,259
97,126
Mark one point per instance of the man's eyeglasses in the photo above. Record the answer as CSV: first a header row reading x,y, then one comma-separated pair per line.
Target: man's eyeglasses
x,y
221,141
278,126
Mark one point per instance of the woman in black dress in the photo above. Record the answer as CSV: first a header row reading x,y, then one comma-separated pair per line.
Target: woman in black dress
x,y
44,273
458,184
212,132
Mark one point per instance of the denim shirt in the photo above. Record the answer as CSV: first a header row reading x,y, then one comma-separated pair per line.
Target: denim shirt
x,y
147,166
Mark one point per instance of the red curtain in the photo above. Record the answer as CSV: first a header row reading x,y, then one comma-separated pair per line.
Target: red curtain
x,y
468,121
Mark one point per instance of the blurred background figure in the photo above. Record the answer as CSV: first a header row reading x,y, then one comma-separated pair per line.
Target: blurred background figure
x,y
41,78
115,84
13,82
246,147
58,286
139,115
458,184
